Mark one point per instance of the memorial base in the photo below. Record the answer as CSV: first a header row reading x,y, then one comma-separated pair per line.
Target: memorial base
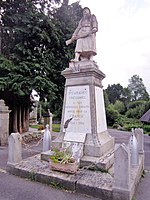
x,y
83,122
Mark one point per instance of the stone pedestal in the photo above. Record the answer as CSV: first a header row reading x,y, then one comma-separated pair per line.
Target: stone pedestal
x,y
4,123
83,117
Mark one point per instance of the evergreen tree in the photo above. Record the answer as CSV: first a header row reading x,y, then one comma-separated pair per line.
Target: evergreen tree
x,y
33,54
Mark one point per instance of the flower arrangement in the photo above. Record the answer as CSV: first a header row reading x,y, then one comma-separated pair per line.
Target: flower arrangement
x,y
63,161
63,156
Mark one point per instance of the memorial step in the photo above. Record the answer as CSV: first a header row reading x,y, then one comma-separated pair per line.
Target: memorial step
x,y
104,162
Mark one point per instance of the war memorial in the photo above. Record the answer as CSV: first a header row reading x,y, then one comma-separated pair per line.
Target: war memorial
x,y
102,169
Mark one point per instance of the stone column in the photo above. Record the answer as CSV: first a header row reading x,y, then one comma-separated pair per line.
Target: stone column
x,y
4,123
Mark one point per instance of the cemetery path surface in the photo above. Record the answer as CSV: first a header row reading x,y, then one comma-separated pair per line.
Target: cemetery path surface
x,y
16,188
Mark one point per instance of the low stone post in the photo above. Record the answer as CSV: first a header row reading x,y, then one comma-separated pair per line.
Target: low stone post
x,y
134,150
4,123
47,139
140,137
14,148
121,186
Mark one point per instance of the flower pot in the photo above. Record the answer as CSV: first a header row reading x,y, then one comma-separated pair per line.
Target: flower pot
x,y
70,168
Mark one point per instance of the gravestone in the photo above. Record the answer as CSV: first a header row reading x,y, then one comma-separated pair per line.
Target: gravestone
x,y
83,116
4,123
14,148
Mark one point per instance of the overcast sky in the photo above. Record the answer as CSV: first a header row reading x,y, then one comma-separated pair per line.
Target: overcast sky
x,y
123,39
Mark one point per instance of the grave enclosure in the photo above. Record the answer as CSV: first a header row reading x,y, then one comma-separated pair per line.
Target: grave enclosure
x,y
84,128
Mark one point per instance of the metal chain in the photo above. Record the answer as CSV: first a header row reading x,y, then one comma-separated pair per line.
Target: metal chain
x,y
28,147
100,160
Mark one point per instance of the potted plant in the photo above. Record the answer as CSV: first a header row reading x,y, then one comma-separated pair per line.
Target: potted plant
x,y
62,160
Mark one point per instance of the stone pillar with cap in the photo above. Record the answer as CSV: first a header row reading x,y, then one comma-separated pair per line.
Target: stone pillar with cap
x,y
4,123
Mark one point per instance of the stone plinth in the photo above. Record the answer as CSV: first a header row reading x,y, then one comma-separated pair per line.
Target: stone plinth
x,y
4,123
83,116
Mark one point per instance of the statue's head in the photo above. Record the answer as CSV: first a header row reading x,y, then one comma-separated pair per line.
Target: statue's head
x,y
86,11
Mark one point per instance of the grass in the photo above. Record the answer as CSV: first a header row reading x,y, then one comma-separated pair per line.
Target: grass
x,y
55,127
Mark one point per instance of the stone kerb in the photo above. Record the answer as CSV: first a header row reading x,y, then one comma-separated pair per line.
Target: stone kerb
x,y
4,123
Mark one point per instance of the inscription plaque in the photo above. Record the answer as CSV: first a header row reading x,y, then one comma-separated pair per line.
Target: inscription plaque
x,y
77,108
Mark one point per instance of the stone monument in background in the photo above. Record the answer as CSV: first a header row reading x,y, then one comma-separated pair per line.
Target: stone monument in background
x,y
83,123
4,123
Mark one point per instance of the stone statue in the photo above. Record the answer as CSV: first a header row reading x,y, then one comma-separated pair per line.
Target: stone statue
x,y
85,36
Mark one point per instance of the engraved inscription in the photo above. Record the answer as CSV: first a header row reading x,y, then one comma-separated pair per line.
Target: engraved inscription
x,y
78,108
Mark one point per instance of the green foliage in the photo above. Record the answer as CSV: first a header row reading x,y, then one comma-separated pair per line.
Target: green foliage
x,y
146,128
106,99
32,176
133,113
124,123
137,108
62,156
128,127
111,115
119,106
56,127
122,120
33,41
114,92
124,102
137,89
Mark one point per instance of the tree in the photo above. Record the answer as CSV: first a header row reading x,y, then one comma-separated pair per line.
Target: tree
x,y
111,114
137,89
33,56
119,106
23,40
114,92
